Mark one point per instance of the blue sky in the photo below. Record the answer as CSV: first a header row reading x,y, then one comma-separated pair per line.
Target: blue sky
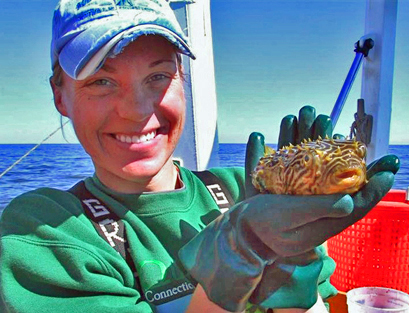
x,y
271,58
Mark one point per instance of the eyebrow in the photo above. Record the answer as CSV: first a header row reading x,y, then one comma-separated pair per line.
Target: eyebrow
x,y
156,63
108,68
111,69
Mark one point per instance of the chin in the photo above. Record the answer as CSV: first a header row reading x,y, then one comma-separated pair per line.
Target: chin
x,y
143,170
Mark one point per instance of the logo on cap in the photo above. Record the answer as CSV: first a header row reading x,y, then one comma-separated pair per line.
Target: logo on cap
x,y
82,3
125,3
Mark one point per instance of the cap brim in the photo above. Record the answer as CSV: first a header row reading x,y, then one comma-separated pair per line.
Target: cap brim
x,y
85,53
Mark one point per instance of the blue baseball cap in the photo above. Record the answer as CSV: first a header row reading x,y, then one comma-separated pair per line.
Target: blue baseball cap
x,y
86,32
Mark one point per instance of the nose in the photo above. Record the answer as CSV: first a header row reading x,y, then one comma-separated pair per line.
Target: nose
x,y
135,106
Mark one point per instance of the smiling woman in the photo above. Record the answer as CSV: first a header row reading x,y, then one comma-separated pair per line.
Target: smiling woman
x,y
129,115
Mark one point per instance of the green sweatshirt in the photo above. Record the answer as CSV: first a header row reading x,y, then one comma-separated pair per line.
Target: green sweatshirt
x,y
53,260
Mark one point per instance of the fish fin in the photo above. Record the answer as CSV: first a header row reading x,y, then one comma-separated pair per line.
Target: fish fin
x,y
268,150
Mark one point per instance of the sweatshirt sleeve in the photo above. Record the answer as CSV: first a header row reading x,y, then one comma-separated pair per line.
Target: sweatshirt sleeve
x,y
52,260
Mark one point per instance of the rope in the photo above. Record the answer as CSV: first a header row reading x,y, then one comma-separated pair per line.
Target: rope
x,y
32,149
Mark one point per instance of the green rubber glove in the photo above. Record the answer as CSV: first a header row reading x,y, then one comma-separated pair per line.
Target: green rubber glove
x,y
308,126
325,289
296,278
293,294
293,131
229,256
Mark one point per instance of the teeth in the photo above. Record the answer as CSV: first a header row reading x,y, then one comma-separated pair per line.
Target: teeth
x,y
136,139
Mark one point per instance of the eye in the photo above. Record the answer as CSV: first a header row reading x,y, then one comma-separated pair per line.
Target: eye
x,y
362,151
100,86
102,82
157,77
307,160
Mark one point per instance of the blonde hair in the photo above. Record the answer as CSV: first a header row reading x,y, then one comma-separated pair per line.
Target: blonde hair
x,y
56,77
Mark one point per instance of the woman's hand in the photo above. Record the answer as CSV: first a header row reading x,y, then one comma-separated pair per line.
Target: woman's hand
x,y
229,256
270,234
294,131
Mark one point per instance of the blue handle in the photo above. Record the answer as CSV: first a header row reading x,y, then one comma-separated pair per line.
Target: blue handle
x,y
343,95
361,52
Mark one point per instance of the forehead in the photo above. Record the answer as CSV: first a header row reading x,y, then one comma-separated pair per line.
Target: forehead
x,y
144,52
146,47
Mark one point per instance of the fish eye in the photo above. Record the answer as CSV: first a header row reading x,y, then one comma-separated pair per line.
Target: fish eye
x,y
306,158
362,151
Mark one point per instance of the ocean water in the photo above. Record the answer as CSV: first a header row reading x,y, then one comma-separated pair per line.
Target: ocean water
x,y
62,165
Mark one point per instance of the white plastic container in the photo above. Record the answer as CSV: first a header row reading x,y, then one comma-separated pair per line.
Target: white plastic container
x,y
377,300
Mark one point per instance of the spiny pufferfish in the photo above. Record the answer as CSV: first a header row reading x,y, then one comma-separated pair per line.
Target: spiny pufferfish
x,y
324,166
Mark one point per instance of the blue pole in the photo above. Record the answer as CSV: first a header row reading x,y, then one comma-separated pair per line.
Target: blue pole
x,y
346,87
361,52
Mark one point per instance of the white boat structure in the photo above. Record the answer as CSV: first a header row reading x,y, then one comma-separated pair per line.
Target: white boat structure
x,y
198,148
377,74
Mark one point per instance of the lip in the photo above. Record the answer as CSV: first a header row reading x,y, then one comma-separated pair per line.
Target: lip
x,y
139,140
134,138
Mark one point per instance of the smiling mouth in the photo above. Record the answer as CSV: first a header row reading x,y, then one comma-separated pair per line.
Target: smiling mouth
x,y
136,139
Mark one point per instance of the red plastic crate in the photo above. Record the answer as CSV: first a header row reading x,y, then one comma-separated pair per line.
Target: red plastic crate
x,y
375,250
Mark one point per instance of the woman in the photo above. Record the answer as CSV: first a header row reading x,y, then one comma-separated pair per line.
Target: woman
x,y
117,75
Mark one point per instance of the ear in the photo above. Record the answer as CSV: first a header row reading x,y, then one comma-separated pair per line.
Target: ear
x,y
59,105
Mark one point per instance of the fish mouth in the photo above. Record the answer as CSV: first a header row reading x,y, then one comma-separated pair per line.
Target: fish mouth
x,y
349,174
350,180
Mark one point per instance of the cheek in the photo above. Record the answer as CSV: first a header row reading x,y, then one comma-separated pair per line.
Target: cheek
x,y
72,102
173,107
85,116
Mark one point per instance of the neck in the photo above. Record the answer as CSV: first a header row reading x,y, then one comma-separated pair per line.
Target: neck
x,y
165,180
